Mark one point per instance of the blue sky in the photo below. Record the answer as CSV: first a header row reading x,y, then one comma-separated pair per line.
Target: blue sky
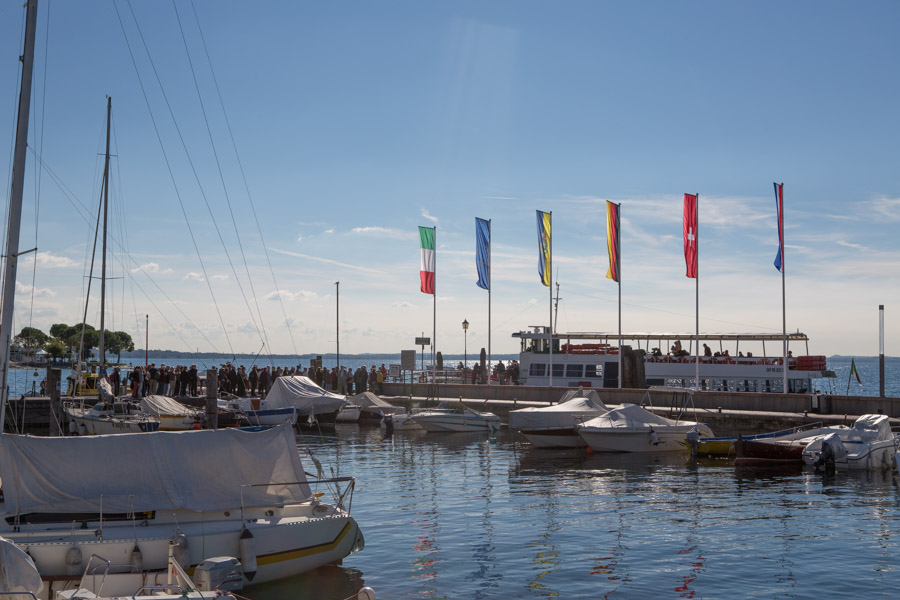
x,y
356,122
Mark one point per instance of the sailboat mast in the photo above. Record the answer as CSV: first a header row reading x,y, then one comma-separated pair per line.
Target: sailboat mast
x,y
15,206
102,348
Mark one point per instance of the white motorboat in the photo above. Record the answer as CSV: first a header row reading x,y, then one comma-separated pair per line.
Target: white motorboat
x,y
869,445
373,408
309,399
349,413
172,415
631,428
456,418
211,492
554,426
104,418
258,411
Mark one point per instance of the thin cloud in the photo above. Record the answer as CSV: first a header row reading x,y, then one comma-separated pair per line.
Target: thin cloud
x,y
428,216
287,295
402,304
328,261
385,232
23,288
150,267
49,260
888,208
219,277
193,277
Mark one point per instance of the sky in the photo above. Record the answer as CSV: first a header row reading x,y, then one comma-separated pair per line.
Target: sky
x,y
316,137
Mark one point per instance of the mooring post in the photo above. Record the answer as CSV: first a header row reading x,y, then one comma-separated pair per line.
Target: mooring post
x,y
53,381
212,395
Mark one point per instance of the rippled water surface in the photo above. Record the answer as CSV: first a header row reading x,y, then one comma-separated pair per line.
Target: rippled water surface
x,y
463,516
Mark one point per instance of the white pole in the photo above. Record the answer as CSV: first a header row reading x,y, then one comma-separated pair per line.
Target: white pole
x,y
434,323
550,241
619,274
784,365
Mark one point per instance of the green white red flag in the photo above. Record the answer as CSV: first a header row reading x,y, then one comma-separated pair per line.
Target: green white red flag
x,y
426,260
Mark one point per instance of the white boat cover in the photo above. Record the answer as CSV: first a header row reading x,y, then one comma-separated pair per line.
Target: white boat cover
x,y
871,428
632,416
18,575
369,402
303,393
105,390
199,470
162,406
566,414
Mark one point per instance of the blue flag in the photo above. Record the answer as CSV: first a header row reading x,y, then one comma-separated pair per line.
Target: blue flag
x,y
483,252
779,209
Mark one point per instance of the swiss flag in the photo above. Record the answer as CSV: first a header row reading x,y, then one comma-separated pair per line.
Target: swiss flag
x,y
690,235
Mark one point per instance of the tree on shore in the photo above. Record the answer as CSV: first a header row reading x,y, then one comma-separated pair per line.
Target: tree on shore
x,y
118,342
31,338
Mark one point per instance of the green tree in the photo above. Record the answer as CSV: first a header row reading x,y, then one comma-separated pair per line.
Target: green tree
x,y
60,331
91,339
117,342
31,338
55,348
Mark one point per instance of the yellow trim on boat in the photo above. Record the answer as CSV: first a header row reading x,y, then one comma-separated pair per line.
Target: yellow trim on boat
x,y
268,559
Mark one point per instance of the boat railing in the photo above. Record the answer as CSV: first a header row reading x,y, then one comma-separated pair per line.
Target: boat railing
x,y
17,594
333,484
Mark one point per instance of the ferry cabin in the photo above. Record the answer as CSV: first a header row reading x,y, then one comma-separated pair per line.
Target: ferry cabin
x,y
739,362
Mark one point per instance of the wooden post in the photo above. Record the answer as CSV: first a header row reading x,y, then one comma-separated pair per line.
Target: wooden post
x,y
212,394
53,384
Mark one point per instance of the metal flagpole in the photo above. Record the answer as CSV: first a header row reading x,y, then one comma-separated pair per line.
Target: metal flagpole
x,y
490,285
550,242
337,324
697,289
434,322
619,275
784,365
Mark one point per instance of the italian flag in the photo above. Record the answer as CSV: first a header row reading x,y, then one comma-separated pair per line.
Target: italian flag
x,y
426,262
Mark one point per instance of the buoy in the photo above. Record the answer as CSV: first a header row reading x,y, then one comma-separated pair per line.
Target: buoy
x,y
137,559
73,561
248,554
366,593
180,550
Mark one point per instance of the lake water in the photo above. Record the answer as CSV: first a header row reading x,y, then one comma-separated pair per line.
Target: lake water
x,y
463,516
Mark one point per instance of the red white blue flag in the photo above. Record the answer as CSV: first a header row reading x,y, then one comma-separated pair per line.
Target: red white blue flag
x,y
779,208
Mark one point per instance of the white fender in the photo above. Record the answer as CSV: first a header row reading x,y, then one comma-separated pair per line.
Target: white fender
x,y
248,554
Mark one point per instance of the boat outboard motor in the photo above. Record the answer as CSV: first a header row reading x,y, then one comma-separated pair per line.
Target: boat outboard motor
x,y
825,461
654,437
693,440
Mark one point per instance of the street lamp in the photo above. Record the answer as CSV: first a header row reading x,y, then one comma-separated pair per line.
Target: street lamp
x,y
465,325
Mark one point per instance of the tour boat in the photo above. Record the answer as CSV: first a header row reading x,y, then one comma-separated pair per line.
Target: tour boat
x,y
554,426
592,360
211,492
632,428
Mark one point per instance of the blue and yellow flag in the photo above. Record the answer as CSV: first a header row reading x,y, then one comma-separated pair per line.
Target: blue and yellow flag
x,y
483,252
543,229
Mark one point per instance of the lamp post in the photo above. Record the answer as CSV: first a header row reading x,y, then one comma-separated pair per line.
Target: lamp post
x,y
465,325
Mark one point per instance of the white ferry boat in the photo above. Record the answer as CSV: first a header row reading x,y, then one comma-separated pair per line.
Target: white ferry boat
x,y
739,362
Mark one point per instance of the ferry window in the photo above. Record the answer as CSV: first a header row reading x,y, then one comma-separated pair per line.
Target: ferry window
x,y
593,370
537,369
558,370
573,370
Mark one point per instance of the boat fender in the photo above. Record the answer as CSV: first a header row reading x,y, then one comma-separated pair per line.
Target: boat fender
x,y
73,561
248,554
137,559
73,427
180,550
654,438
366,593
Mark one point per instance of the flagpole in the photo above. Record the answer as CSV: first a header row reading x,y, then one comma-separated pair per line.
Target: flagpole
x,y
490,285
434,322
619,275
550,277
783,303
697,291
849,376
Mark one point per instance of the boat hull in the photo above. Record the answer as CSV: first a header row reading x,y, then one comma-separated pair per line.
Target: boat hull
x,y
768,452
293,540
448,423
554,438
875,456
639,439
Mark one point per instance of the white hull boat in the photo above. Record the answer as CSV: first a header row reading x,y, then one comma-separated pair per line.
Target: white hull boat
x,y
457,419
554,426
634,429
172,415
869,445
130,495
302,393
399,421
259,412
103,419
348,414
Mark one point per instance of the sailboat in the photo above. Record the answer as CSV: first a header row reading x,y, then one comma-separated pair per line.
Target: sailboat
x,y
107,415
126,498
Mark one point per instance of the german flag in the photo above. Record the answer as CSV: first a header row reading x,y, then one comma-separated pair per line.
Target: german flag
x,y
612,240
